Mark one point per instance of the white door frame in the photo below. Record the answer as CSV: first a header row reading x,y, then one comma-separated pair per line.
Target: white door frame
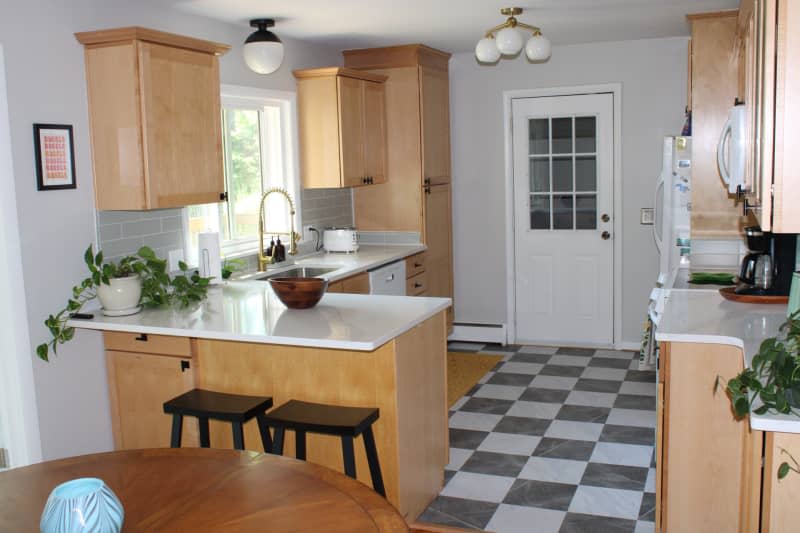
x,y
511,290
17,394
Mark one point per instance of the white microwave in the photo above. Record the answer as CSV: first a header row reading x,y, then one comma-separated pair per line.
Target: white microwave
x,y
731,150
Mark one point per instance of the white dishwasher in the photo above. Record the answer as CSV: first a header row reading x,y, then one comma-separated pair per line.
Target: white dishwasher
x,y
389,279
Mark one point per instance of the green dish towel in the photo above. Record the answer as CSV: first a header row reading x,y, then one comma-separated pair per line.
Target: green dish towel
x,y
711,278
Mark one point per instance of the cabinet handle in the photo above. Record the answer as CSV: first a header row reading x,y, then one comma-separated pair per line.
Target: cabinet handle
x,y
142,337
185,366
223,196
417,285
427,190
427,181
417,265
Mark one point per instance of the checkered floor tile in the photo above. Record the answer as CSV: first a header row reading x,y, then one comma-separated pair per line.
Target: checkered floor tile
x,y
552,440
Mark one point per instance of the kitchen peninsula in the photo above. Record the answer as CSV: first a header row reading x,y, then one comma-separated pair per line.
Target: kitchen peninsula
x,y
380,351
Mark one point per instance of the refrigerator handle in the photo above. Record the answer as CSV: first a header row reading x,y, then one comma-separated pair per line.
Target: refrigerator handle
x,y
659,185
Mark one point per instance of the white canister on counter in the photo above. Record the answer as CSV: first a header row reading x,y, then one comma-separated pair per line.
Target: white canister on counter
x,y
209,259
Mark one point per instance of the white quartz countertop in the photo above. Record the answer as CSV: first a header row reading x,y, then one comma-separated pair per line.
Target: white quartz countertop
x,y
704,316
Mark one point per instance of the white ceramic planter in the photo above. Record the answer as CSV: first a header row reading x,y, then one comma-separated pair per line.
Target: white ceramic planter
x,y
121,297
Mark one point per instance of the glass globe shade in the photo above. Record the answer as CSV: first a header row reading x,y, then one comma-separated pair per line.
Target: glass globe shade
x,y
538,48
486,50
263,57
509,41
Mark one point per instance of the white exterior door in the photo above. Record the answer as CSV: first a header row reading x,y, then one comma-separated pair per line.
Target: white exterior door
x,y
563,219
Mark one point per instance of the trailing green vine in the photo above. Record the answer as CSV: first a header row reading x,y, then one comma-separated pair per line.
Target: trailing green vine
x,y
158,289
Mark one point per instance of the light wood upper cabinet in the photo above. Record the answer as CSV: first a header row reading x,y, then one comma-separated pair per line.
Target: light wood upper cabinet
x,y
342,126
435,113
154,112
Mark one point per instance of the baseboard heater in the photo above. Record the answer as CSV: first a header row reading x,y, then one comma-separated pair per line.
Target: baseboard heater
x,y
470,332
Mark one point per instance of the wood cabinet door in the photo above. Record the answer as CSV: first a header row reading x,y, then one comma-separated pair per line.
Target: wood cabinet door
x,y
351,130
139,384
374,131
358,284
435,113
181,126
438,238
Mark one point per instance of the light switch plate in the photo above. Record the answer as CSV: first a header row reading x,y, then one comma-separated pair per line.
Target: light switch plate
x,y
308,235
647,216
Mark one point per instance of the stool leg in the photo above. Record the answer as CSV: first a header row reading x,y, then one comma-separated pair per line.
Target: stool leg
x,y
263,428
300,445
374,463
238,435
348,456
177,431
205,441
277,445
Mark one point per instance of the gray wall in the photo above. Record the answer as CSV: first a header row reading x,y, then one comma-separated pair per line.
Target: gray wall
x,y
653,77
45,74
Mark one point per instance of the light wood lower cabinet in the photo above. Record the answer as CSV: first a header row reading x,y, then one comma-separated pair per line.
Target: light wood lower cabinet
x,y
358,284
781,496
439,239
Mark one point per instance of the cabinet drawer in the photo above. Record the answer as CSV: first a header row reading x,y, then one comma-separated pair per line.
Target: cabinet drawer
x,y
416,285
147,343
415,264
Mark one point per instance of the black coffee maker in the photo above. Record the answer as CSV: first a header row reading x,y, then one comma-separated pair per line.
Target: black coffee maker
x,y
767,268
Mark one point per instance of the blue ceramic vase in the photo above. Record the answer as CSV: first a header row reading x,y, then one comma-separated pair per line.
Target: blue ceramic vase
x,y
81,506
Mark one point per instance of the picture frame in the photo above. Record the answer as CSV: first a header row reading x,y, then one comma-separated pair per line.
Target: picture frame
x,y
55,157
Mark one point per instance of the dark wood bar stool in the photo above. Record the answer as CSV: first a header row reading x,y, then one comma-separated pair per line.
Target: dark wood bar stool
x,y
346,422
234,408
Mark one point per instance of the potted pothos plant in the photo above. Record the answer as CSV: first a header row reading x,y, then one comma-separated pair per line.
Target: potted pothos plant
x,y
772,383
122,287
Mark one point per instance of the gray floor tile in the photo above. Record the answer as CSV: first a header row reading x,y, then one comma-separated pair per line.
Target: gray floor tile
x,y
615,476
495,464
534,394
499,392
561,370
644,376
522,425
647,512
607,362
487,405
628,435
530,358
585,523
534,410
604,501
513,367
466,439
618,354
518,380
510,444
448,475
597,385
569,429
459,512
645,527
553,382
583,413
479,487
570,360
582,397
531,493
464,346
474,421
577,450
458,456
538,349
638,388
585,352
512,348
630,401
598,372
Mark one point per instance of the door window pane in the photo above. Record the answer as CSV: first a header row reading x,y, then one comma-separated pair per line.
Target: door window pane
x,y
586,173
585,135
562,211
562,135
586,211
540,174
540,212
562,174
539,136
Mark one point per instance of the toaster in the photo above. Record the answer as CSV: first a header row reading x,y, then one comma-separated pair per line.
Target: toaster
x,y
340,240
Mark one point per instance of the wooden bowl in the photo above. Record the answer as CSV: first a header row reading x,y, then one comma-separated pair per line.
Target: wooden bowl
x,y
299,293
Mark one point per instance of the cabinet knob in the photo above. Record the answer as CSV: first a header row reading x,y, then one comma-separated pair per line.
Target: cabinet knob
x,y
605,217
142,337
185,366
605,235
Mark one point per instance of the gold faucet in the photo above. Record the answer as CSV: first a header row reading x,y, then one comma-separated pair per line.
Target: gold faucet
x,y
264,260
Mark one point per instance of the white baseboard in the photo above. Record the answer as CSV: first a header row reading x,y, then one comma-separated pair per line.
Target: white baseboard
x,y
466,332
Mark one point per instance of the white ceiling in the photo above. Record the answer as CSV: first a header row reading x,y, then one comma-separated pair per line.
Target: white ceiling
x,y
455,26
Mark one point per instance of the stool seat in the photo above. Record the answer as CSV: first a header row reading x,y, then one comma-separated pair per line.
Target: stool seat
x,y
218,405
323,418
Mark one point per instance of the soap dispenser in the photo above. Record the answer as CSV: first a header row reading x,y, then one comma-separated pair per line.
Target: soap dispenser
x,y
280,251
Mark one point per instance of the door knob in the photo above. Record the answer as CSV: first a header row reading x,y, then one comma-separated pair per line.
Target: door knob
x,y
605,235
605,217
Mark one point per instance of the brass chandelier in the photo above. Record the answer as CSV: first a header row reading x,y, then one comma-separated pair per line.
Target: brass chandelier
x,y
506,39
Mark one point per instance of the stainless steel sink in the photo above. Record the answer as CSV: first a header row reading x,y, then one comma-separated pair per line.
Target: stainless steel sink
x,y
297,272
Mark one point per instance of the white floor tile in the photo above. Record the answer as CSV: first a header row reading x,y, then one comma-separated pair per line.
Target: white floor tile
x,y
592,399
481,487
554,382
474,421
650,484
614,354
543,410
645,527
519,519
544,350
459,403
569,360
605,501
632,417
622,454
499,392
598,372
457,458
635,387
510,444
513,367
554,470
568,429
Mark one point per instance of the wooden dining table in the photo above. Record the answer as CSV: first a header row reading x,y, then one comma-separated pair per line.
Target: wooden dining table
x,y
196,489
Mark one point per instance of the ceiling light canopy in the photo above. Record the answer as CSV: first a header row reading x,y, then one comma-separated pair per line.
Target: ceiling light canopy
x,y
263,50
507,40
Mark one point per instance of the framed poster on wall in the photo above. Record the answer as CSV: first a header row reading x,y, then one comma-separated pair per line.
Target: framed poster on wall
x,y
55,156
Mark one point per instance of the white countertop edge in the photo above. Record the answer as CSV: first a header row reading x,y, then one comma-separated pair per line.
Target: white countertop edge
x,y
701,339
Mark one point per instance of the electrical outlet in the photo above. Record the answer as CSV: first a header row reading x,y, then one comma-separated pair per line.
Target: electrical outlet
x,y
174,257
308,235
647,216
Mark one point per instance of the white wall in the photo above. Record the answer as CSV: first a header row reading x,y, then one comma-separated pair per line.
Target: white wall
x,y
45,76
653,76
